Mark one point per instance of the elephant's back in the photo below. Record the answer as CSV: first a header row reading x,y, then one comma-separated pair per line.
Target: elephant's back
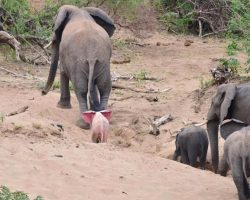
x,y
195,135
85,40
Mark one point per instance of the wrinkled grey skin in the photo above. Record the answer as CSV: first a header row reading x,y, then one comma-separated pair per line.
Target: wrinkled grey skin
x,y
230,101
81,42
230,126
237,157
191,143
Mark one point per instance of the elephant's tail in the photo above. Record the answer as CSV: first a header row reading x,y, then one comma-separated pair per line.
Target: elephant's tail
x,y
244,166
90,80
53,67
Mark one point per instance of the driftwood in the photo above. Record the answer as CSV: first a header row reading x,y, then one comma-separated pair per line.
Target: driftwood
x,y
15,44
116,77
194,123
162,120
20,110
20,75
148,98
11,41
154,127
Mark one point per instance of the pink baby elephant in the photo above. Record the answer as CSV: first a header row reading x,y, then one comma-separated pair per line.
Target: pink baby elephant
x,y
99,124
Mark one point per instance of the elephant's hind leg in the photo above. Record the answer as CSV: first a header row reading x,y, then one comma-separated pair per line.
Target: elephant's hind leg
x,y
81,94
94,100
192,158
246,188
203,157
184,157
65,93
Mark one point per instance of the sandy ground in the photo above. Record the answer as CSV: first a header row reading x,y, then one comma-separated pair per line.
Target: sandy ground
x,y
43,153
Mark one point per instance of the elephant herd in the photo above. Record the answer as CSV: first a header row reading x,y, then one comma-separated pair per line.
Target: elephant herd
x,y
81,41
230,113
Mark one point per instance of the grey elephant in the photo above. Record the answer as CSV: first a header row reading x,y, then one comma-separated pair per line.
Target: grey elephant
x,y
237,157
191,143
81,42
230,102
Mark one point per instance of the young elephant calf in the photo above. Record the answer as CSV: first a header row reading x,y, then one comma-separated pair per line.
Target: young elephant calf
x,y
99,124
237,157
191,143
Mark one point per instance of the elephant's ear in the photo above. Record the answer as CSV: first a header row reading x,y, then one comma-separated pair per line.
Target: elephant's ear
x,y
102,19
61,21
227,93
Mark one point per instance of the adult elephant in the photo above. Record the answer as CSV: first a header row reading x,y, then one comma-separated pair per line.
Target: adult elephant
x,y
230,102
81,42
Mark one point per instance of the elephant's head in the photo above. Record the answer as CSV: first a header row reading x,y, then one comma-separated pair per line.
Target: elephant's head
x,y
64,16
219,110
221,102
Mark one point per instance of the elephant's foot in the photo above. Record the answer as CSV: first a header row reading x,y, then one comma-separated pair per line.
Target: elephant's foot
x,y
81,124
64,105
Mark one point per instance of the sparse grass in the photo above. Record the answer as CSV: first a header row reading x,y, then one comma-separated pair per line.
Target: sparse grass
x,y
56,85
40,85
206,82
231,64
118,93
2,117
118,43
36,126
141,75
232,48
17,127
6,194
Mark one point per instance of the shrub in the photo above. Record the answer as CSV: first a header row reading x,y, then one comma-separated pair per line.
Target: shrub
x,y
6,194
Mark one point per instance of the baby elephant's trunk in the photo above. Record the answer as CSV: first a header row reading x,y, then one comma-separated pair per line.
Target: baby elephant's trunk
x,y
99,124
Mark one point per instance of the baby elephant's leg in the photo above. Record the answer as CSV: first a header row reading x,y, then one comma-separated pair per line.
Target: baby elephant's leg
x,y
192,155
184,157
238,177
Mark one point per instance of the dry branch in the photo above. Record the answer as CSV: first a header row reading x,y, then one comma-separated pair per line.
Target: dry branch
x,y
11,40
116,86
20,75
162,120
20,110
35,49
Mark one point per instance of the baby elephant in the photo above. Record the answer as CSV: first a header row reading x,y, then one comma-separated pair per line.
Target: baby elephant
x,y
191,143
99,124
237,157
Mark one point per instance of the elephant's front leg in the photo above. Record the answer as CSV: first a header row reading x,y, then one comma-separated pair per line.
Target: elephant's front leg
x,y
65,93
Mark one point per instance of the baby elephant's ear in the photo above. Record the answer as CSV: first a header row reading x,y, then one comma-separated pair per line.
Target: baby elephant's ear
x,y
107,114
102,19
88,116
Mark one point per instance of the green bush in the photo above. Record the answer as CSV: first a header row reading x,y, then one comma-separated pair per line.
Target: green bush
x,y
239,24
6,194
231,64
20,20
